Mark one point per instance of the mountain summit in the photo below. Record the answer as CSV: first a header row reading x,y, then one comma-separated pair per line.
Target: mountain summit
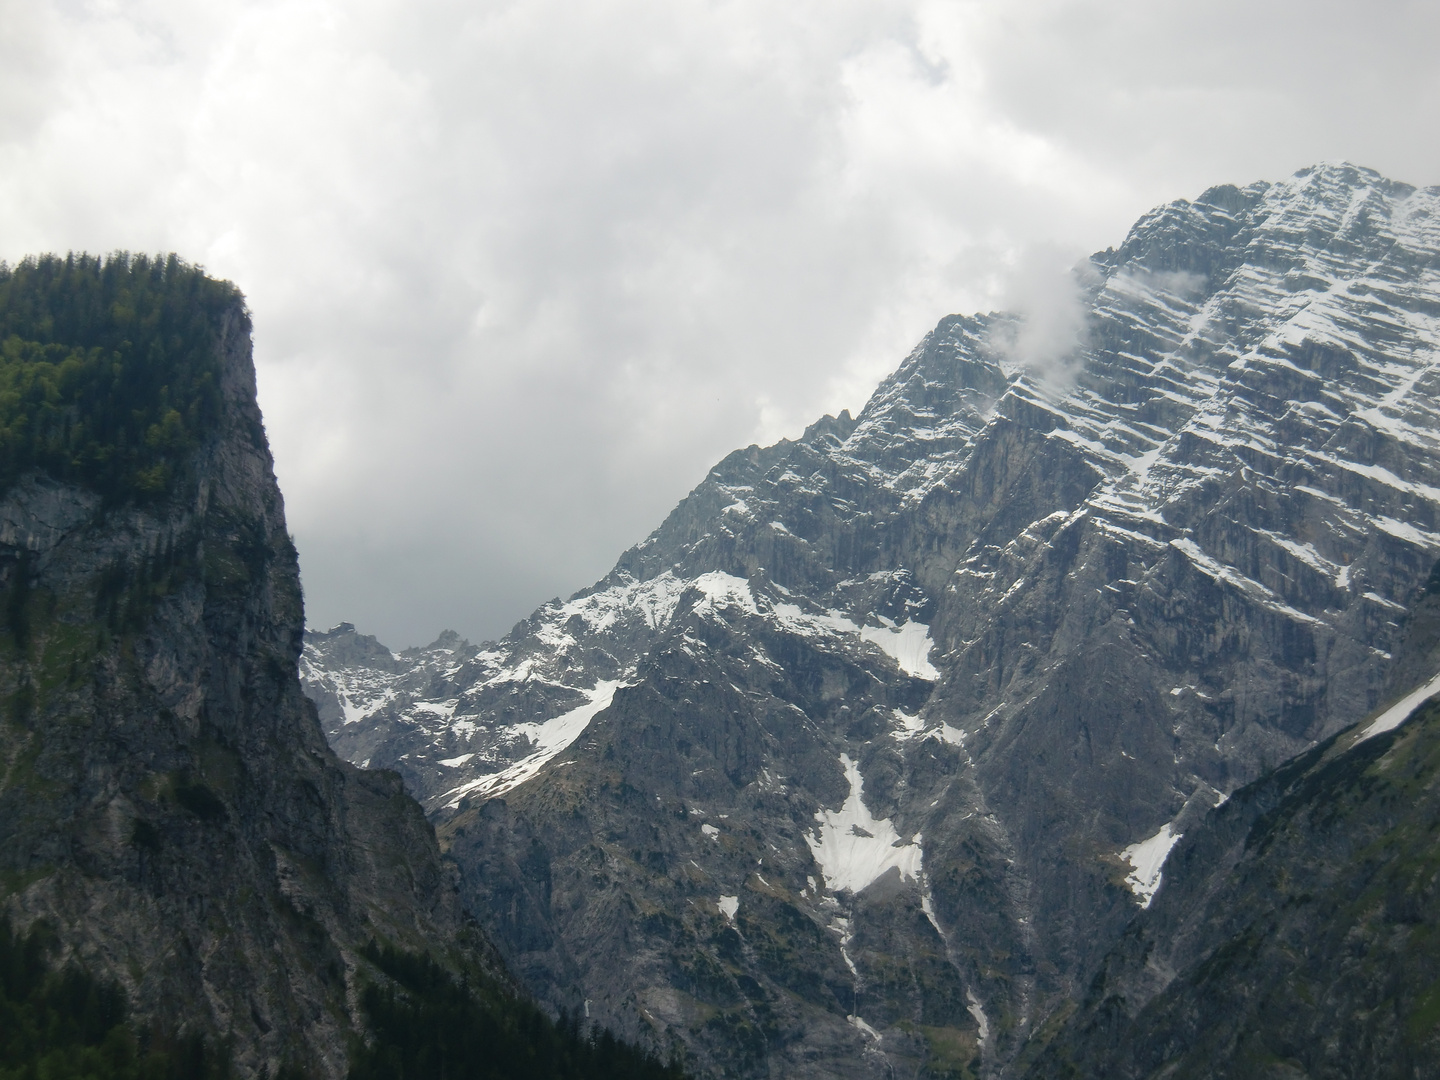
x,y
866,756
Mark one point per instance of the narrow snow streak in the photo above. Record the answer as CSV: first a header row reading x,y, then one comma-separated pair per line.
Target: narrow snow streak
x,y
1398,713
549,737
975,1009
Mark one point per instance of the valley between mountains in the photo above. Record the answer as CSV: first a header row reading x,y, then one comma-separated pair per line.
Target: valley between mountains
x,y
863,762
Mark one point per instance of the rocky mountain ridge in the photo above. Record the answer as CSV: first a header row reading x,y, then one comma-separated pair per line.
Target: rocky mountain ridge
x,y
868,754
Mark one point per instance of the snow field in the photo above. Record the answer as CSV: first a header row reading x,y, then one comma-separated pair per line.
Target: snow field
x,y
853,848
549,737
1147,857
1398,713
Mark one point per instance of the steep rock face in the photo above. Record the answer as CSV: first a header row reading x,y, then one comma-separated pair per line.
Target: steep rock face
x,y
1295,933
867,754
167,799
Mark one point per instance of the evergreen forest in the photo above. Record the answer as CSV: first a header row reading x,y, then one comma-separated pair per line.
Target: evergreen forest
x,y
426,1025
62,1024
109,369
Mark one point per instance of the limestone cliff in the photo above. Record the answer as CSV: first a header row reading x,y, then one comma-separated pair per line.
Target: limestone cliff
x,y
863,759
168,802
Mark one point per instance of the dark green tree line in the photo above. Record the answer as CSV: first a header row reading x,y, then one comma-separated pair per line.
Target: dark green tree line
x,y
109,369
426,1025
64,1025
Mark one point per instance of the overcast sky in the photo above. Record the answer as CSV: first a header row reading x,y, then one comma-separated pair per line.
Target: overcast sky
x,y
522,271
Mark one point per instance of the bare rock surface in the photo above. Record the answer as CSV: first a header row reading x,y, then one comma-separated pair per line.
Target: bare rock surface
x,y
1296,933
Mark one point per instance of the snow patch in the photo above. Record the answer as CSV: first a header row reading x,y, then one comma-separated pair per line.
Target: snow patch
x,y
653,600
947,734
928,907
550,738
907,726
1403,530
853,848
711,831
455,762
975,1009
355,711
1228,575
841,926
740,509
724,590
1147,857
861,1025
908,645
729,906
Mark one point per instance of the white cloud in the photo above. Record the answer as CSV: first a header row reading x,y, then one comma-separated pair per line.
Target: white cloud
x,y
522,270
1045,288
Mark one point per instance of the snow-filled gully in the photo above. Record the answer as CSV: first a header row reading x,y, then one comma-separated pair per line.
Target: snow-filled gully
x,y
853,848
1146,857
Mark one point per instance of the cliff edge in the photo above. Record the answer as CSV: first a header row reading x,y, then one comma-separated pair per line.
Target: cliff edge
x,y
168,804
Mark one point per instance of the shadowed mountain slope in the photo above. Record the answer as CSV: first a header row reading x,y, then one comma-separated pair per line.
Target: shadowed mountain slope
x,y
1296,932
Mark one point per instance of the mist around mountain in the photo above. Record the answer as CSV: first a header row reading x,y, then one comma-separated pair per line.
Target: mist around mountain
x,y
865,760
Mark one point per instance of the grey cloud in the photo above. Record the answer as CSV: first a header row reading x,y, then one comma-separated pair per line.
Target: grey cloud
x,y
522,271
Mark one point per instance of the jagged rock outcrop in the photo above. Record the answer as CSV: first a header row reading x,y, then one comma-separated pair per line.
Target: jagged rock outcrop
x,y
1295,933
168,803
866,756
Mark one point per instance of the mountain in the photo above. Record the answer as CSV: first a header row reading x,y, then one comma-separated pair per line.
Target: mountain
x,y
192,884
865,758
169,808
1296,933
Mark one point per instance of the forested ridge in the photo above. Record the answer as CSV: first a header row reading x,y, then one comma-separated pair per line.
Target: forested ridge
x,y
426,1025
59,1023
109,368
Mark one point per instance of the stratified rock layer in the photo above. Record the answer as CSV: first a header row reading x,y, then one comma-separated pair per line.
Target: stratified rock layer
x,y
869,753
